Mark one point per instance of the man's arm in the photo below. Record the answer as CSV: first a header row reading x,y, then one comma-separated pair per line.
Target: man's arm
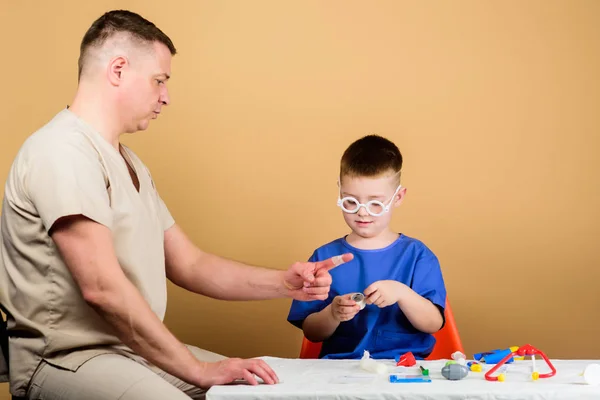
x,y
217,277
220,278
87,249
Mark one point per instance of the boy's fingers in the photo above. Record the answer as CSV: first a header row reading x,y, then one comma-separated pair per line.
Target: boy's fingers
x,y
373,297
346,300
370,290
349,310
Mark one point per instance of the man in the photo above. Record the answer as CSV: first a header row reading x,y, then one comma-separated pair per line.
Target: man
x,y
87,244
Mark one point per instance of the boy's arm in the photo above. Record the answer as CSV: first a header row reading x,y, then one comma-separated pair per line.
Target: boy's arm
x,y
320,325
423,303
421,312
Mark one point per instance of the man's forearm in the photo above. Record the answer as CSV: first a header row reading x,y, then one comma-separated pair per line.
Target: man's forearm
x,y
320,325
193,269
220,278
139,328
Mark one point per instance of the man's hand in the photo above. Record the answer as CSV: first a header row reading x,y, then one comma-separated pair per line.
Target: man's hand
x,y
311,280
232,369
384,293
344,308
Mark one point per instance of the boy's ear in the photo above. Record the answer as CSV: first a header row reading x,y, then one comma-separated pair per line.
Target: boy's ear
x,y
400,196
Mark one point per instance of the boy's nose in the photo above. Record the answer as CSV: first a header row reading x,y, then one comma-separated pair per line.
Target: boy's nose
x,y
363,212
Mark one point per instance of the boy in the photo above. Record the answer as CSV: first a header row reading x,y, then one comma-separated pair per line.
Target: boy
x,y
398,275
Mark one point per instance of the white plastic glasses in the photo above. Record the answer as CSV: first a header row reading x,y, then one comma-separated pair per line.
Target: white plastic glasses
x,y
375,208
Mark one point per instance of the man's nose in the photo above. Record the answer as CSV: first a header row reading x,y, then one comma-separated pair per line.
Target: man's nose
x,y
164,97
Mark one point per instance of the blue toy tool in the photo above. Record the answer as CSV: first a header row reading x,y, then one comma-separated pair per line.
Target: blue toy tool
x,y
494,356
397,378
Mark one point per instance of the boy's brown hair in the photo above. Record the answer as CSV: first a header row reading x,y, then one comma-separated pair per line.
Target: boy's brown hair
x,y
371,156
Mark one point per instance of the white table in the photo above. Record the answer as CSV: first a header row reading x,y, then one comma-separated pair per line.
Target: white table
x,y
344,379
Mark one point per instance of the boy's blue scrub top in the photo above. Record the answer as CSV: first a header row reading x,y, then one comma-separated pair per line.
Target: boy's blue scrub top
x,y
384,332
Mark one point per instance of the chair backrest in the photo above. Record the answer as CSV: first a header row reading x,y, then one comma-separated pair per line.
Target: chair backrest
x,y
447,341
4,352
310,349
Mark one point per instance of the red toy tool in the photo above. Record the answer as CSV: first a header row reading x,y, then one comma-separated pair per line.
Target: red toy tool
x,y
526,350
406,360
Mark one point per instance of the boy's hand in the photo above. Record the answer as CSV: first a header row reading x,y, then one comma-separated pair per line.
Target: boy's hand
x,y
384,293
343,308
311,280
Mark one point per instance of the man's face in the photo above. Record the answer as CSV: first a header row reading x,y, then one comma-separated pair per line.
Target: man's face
x,y
145,91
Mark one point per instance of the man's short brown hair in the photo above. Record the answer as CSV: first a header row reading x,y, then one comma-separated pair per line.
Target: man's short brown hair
x,y
371,156
118,21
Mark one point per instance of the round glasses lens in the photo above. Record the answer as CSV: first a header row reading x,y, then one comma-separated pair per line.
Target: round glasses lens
x,y
375,208
350,205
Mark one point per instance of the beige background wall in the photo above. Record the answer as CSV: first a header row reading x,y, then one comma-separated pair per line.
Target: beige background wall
x,y
494,105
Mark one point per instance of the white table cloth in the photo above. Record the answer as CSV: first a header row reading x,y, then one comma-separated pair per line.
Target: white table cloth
x,y
344,379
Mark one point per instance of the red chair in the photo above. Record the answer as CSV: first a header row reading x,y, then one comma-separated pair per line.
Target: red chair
x,y
447,341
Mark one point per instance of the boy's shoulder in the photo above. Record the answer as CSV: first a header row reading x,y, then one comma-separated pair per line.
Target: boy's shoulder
x,y
413,241
402,244
417,245
332,246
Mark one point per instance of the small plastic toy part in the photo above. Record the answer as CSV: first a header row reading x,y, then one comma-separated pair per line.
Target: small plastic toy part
x,y
459,357
359,298
526,350
475,367
454,371
424,371
406,360
591,374
369,364
515,348
535,375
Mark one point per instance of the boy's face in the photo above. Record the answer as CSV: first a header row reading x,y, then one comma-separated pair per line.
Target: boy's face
x,y
364,189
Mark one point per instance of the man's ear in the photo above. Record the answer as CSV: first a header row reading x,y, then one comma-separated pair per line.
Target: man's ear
x,y
116,68
400,196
